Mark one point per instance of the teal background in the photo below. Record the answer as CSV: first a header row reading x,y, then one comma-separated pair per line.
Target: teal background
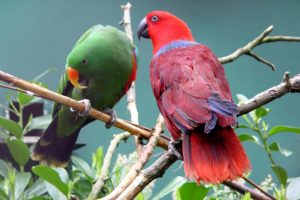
x,y
37,35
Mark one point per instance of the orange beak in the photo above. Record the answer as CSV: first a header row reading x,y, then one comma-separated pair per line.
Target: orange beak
x,y
74,77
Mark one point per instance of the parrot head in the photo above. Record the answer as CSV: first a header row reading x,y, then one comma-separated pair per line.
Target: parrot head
x,y
79,62
162,28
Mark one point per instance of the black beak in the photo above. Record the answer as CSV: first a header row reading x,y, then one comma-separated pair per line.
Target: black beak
x,y
143,29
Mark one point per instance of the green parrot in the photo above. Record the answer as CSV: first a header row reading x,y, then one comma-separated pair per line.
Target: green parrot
x,y
99,69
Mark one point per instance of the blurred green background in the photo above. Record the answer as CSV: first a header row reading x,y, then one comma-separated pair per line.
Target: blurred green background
x,y
38,35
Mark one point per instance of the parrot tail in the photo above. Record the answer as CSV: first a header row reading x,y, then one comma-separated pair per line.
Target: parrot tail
x,y
52,150
214,157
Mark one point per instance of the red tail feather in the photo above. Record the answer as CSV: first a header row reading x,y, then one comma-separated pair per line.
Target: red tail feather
x,y
214,157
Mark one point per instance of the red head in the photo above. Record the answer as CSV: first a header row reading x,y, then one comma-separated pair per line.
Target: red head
x,y
162,28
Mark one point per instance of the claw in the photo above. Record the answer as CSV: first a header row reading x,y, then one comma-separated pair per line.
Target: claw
x,y
113,117
87,108
172,148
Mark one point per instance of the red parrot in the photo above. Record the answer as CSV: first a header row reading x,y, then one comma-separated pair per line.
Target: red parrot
x,y
193,95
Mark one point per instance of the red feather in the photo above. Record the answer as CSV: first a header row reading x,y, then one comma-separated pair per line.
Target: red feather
x,y
194,97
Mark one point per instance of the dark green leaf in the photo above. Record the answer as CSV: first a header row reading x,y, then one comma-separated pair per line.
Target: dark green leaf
x,y
83,166
248,137
172,186
276,147
293,189
52,177
261,112
191,191
21,181
19,151
242,126
24,99
82,188
3,195
280,173
40,122
39,198
282,128
13,127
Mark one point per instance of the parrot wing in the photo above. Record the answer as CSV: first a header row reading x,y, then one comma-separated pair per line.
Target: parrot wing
x,y
191,89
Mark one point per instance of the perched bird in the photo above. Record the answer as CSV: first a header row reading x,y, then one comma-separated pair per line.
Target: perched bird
x,y
193,95
99,69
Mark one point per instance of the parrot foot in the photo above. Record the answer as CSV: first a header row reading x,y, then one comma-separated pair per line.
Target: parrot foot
x,y
87,108
172,148
113,117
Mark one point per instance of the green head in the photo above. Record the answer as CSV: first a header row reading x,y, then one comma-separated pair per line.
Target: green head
x,y
100,48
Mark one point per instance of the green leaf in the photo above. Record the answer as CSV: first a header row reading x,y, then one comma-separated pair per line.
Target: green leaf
x,y
293,189
246,196
36,189
52,177
280,173
282,128
98,160
19,151
40,122
3,195
24,99
276,147
192,191
4,168
261,112
241,98
44,73
172,186
13,127
248,137
243,126
83,166
21,182
54,192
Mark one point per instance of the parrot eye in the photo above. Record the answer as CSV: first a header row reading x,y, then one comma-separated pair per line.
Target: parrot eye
x,y
154,18
85,61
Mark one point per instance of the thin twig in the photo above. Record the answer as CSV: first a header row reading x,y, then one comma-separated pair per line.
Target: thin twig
x,y
103,176
245,49
261,39
131,100
260,59
119,192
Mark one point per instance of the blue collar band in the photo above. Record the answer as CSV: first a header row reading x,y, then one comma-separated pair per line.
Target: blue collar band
x,y
174,45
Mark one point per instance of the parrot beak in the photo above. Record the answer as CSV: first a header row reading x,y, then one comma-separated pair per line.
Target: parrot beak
x,y
143,29
74,77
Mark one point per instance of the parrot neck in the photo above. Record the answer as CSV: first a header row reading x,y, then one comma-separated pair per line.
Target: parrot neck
x,y
173,45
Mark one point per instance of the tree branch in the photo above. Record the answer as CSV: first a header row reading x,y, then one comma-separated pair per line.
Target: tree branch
x,y
259,40
131,100
119,193
103,176
288,85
